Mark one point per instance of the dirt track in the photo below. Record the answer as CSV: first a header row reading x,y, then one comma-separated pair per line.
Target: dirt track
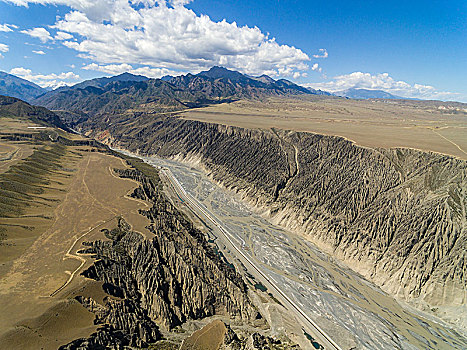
x,y
48,271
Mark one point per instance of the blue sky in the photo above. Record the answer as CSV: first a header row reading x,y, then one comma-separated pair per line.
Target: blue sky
x,y
409,48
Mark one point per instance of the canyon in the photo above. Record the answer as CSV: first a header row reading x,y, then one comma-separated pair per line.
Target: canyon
x,y
366,233
379,210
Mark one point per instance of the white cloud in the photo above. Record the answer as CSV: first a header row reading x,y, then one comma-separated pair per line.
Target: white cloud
x,y
166,34
39,52
3,48
180,2
316,67
40,33
384,82
112,69
7,27
63,36
46,80
323,53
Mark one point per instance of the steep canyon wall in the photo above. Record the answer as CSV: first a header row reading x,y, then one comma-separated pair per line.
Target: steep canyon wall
x,y
395,215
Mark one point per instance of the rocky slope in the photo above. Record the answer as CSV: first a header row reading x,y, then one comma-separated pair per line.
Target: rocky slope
x,y
162,282
11,85
397,216
11,107
131,93
117,96
219,82
219,336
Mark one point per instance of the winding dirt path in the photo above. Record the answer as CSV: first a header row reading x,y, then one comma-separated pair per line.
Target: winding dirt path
x,y
451,142
296,160
116,213
69,255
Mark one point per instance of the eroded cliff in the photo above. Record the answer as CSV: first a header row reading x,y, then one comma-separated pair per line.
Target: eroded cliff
x,y
395,215
160,282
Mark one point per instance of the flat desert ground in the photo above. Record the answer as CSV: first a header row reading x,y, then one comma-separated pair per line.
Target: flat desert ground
x,y
39,261
426,125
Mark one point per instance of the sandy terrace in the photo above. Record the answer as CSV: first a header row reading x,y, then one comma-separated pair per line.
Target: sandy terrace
x,y
386,124
93,199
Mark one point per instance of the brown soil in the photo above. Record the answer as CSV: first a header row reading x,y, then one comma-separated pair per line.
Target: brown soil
x,y
41,258
368,123
210,337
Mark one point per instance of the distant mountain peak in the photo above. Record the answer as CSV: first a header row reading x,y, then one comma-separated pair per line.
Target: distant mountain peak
x,y
167,77
128,76
266,79
359,93
217,72
101,82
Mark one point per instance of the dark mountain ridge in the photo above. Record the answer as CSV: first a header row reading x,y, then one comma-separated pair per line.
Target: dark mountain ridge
x,y
116,96
320,92
128,92
265,79
101,82
219,82
11,85
11,107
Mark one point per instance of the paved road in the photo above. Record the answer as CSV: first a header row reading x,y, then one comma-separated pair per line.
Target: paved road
x,y
193,204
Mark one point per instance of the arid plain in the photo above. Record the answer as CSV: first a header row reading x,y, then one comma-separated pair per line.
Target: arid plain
x,y
74,192
40,265
426,125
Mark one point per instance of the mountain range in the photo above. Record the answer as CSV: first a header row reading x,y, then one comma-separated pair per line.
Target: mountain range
x,y
364,94
11,107
11,85
128,91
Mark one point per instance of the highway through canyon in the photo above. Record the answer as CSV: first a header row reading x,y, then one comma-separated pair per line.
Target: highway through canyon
x,y
324,298
309,325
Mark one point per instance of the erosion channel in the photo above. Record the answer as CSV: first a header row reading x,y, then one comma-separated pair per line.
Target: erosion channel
x,y
353,312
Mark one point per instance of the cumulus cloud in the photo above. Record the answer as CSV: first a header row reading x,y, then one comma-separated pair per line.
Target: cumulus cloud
x,y
114,69
46,80
180,2
63,36
7,27
3,48
323,53
39,52
40,33
382,81
316,67
166,34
